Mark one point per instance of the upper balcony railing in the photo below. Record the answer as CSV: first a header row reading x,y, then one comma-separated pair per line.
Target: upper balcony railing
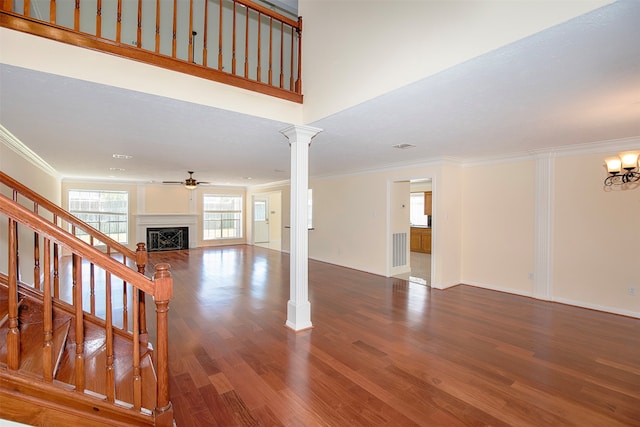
x,y
235,42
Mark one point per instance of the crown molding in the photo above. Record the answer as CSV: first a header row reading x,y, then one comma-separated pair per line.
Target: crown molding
x,y
13,143
613,146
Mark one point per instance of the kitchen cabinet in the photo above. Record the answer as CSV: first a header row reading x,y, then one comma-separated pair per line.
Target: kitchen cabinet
x,y
420,240
428,199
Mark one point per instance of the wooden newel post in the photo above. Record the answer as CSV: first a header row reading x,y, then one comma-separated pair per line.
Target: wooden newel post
x,y
141,263
163,292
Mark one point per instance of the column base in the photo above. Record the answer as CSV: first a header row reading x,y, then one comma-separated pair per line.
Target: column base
x,y
298,316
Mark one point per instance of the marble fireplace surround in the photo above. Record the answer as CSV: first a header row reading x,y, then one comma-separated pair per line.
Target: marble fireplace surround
x,y
144,221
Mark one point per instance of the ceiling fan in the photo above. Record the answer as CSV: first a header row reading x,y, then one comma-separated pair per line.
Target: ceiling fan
x,y
189,183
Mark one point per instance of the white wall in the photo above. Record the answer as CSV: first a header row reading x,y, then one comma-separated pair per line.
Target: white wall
x,y
498,226
354,51
597,231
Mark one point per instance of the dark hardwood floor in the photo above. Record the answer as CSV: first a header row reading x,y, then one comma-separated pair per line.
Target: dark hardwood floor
x,y
384,352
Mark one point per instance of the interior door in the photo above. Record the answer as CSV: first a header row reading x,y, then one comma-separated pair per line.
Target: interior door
x,y
260,220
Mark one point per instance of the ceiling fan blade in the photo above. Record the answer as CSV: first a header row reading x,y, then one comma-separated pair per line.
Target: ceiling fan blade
x,y
203,182
173,182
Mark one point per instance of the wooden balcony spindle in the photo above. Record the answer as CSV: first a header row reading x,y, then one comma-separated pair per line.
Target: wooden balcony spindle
x,y
139,29
141,262
220,38
13,332
99,18
292,57
270,51
76,16
246,42
281,55
27,8
6,5
119,22
233,42
191,33
157,50
175,29
163,294
206,33
47,350
110,373
52,11
258,69
298,87
79,323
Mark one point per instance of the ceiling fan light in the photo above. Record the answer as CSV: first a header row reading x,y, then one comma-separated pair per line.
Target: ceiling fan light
x,y
190,186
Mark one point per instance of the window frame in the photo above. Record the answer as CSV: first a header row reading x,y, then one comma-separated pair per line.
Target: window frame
x,y
82,215
239,220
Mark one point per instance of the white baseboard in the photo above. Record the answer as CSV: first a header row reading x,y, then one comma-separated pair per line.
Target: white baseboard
x,y
499,289
597,307
566,301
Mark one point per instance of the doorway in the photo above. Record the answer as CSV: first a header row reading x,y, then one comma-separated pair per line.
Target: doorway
x,y
267,220
420,218
260,220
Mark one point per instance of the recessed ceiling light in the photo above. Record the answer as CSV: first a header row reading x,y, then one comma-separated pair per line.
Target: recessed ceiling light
x,y
117,169
247,178
122,156
403,146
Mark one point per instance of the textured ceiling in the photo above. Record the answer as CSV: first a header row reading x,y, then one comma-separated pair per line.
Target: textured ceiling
x,y
575,83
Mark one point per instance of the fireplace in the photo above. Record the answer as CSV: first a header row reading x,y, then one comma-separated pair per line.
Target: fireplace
x,y
167,239
167,232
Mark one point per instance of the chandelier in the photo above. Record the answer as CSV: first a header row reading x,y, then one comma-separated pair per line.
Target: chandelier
x,y
622,169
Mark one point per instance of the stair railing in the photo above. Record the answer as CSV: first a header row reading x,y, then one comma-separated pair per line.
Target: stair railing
x,y
160,287
58,216
254,48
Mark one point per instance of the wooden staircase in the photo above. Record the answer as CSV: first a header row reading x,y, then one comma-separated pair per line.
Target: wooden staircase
x,y
88,360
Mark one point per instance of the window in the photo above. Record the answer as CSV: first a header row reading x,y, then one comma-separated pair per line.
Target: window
x,y
222,217
417,216
106,211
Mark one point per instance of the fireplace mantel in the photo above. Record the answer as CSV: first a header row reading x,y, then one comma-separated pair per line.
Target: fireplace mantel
x,y
144,221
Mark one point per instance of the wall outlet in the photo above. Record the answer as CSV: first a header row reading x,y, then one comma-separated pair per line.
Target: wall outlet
x,y
530,276
632,291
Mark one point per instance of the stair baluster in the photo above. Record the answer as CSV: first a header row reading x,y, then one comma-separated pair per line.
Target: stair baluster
x,y
47,351
141,263
36,255
56,272
79,323
110,377
13,334
92,284
137,379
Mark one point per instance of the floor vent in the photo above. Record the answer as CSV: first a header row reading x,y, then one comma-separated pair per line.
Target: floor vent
x,y
399,249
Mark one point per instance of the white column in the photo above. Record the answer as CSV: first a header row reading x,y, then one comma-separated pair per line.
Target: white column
x,y
298,307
